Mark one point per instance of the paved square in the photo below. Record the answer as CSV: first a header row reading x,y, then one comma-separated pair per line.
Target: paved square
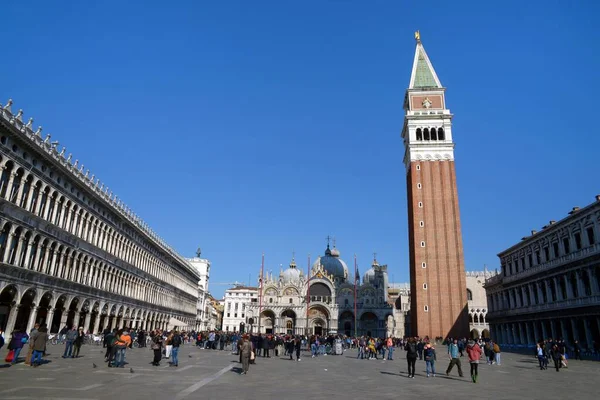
x,y
214,375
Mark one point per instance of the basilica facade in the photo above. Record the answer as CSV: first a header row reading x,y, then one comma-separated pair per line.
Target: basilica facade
x,y
326,300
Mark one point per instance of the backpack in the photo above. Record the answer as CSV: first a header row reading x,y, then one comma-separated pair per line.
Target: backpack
x,y
176,340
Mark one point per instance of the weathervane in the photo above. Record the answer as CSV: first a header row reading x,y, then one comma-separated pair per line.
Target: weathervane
x,y
418,36
198,252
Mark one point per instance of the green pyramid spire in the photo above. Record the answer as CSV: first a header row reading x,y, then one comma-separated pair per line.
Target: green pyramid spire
x,y
424,76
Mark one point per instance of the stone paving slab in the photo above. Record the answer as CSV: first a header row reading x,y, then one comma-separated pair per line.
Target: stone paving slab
x,y
215,375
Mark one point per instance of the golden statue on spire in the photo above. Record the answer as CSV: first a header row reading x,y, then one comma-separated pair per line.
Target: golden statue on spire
x,y
417,36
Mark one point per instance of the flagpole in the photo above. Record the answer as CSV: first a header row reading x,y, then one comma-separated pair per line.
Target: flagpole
x,y
307,294
355,279
262,269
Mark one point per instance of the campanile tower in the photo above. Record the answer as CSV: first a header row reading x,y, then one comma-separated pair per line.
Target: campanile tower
x,y
437,270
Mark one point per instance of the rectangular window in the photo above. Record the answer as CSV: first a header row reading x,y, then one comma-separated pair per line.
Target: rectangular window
x,y
242,315
255,300
538,259
546,254
235,315
228,315
577,236
227,328
590,235
522,263
566,245
555,248
529,260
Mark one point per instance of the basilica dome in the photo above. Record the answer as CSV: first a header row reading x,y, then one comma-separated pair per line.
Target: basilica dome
x,y
292,274
369,276
333,264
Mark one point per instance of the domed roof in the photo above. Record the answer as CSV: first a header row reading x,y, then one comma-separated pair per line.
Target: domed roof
x,y
369,276
292,274
333,264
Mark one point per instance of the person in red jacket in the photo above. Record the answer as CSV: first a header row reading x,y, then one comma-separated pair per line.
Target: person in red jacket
x,y
474,352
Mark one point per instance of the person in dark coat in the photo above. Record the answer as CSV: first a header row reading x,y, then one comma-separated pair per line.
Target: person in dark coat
x,y
39,345
18,340
298,347
411,356
157,343
78,342
556,357
577,350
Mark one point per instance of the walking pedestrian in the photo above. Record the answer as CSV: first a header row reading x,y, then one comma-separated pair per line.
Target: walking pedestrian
x,y
175,342
454,360
411,356
474,353
39,345
556,357
70,339
430,357
157,343
17,341
246,350
78,342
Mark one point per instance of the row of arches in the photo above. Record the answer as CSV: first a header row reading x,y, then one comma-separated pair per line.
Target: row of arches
x,y
431,134
25,189
21,307
582,282
28,249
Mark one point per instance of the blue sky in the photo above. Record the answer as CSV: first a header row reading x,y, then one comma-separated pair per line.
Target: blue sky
x,y
248,127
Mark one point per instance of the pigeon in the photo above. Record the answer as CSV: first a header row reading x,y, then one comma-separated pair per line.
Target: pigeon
x,y
131,370
94,365
189,355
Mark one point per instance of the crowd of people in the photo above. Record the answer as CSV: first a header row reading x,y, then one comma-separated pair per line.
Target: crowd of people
x,y
166,345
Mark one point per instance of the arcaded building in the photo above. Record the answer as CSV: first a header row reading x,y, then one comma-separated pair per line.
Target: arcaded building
x,y
71,253
549,284
437,272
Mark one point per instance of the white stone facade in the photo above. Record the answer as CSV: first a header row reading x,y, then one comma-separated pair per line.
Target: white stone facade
x,y
202,266
325,303
71,253
549,284
236,303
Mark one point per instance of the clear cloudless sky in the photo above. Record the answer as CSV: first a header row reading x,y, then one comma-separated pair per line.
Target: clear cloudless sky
x,y
246,127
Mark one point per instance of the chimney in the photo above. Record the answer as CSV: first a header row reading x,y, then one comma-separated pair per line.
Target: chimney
x,y
533,232
552,222
598,197
574,210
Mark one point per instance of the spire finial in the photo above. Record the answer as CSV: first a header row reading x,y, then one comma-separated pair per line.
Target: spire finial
x,y
328,239
418,36
374,257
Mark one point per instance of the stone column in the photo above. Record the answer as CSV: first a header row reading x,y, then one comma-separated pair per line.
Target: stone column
x,y
536,330
97,326
527,333
563,330
38,204
544,330
32,317
42,266
29,201
49,318
27,261
113,324
86,323
11,237
570,294
588,333
9,186
12,319
548,291
18,250
76,319
55,255
574,330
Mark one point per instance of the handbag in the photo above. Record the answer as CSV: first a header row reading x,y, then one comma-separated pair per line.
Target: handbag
x,y
10,356
252,355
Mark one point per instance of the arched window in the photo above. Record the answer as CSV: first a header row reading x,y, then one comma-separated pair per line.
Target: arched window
x,y
419,134
440,134
346,302
469,294
433,134
426,134
270,300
